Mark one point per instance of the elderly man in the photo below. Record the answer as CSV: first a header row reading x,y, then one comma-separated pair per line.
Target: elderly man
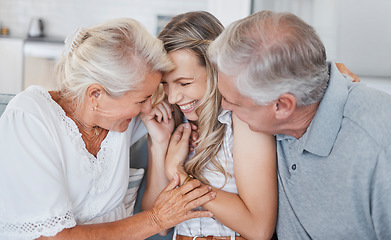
x,y
333,136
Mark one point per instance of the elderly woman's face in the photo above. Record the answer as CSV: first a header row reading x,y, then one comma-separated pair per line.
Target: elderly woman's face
x,y
116,113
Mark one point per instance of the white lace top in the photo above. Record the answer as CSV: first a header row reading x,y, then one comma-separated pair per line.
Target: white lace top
x,y
48,179
203,227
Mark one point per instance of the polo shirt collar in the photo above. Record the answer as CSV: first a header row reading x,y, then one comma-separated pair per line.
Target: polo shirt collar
x,y
321,134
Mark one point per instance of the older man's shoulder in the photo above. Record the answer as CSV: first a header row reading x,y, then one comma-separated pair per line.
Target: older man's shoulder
x,y
371,110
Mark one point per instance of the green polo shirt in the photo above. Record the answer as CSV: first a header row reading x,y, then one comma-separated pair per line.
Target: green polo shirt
x,y
335,181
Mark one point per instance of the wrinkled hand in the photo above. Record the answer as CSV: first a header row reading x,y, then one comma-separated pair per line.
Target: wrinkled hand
x,y
344,70
174,204
159,122
178,150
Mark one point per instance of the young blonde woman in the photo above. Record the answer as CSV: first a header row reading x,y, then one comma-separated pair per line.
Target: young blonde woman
x,y
246,201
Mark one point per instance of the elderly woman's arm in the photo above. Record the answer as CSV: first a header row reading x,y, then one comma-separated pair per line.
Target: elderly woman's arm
x,y
173,205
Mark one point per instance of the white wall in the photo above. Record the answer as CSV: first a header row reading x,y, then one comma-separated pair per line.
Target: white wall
x,y
228,11
364,36
355,32
61,17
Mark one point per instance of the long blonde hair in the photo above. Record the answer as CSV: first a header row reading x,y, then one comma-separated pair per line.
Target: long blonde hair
x,y
194,31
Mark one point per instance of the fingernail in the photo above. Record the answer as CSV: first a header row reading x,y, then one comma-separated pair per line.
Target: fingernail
x,y
175,176
186,125
213,194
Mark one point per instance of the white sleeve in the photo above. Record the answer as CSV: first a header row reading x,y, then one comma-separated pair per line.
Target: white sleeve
x,y
34,197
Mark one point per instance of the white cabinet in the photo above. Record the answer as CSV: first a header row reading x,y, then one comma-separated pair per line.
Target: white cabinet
x,y
39,60
11,65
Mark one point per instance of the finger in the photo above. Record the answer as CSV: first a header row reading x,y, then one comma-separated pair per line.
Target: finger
x,y
189,186
201,200
181,133
355,77
177,135
194,135
192,144
186,132
150,115
193,126
158,115
168,108
164,113
198,214
173,183
197,192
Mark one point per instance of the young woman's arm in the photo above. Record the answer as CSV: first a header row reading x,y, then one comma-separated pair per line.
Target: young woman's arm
x,y
160,125
252,212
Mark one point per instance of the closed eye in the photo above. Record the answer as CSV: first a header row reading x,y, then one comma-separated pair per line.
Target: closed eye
x,y
146,99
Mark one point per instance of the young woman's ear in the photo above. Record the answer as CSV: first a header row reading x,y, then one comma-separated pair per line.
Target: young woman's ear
x,y
284,106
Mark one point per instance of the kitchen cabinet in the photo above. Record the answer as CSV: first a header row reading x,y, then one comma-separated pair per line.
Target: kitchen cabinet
x,y
11,65
40,58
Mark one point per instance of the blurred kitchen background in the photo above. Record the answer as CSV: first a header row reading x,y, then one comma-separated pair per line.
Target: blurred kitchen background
x,y
355,32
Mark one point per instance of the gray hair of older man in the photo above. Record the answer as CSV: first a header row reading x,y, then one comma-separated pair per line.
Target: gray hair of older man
x,y
116,54
269,54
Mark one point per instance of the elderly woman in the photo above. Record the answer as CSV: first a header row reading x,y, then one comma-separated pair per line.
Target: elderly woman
x,y
64,168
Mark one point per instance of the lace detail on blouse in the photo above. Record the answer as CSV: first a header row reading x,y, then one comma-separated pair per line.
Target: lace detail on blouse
x,y
34,229
98,166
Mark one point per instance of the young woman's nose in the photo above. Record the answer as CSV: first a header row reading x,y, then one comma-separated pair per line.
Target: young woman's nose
x,y
174,95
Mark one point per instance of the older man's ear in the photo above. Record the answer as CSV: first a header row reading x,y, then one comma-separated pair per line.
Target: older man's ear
x,y
284,106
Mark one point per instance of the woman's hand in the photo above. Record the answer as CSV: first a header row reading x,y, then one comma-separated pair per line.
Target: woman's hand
x,y
344,70
159,122
175,204
193,136
178,150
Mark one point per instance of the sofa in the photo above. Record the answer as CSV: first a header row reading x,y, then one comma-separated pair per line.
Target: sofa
x,y
138,159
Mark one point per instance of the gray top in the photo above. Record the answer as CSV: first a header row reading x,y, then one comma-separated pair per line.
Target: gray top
x,y
335,181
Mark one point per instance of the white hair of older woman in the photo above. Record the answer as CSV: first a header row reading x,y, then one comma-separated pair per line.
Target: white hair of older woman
x,y
269,54
116,54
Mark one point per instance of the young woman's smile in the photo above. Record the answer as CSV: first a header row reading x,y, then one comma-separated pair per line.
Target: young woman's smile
x,y
188,107
185,86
